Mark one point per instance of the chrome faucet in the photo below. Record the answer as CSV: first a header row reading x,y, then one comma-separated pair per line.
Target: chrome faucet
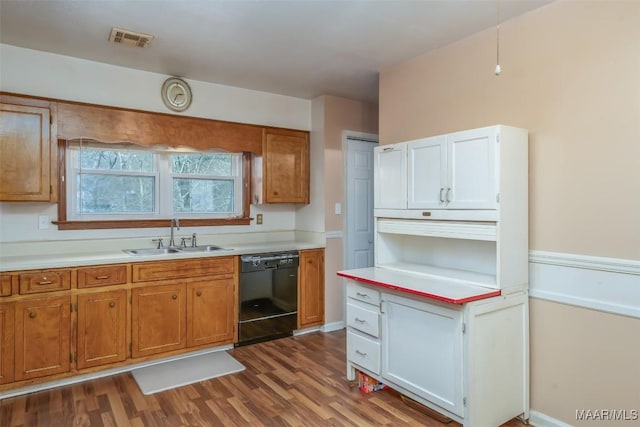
x,y
174,222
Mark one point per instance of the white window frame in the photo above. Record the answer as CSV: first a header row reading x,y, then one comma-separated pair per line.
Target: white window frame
x,y
163,185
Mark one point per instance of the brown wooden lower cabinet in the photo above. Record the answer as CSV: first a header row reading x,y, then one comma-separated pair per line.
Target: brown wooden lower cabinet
x,y
211,312
102,328
42,337
311,289
194,307
7,316
158,321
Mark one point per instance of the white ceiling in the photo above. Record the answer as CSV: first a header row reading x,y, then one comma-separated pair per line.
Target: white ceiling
x,y
301,48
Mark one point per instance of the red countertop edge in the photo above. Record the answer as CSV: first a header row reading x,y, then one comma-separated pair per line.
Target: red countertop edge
x,y
423,294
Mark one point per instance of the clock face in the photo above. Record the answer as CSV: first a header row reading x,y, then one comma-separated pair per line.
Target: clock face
x,y
176,94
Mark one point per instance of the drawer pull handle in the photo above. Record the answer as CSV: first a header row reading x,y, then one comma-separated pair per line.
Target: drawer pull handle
x,y
360,320
45,282
361,354
32,314
112,304
101,277
199,293
360,294
174,296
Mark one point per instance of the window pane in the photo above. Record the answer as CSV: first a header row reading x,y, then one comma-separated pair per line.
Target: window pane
x,y
115,194
202,195
202,164
134,161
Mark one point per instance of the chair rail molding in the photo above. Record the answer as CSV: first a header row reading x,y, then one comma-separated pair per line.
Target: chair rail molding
x,y
610,285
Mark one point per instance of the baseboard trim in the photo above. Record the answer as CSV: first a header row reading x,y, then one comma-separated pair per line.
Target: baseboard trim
x,y
605,284
333,326
538,419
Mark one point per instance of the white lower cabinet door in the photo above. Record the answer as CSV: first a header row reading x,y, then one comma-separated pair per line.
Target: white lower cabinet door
x,y
422,350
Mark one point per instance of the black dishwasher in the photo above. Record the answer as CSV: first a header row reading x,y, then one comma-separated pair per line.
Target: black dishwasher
x,y
268,306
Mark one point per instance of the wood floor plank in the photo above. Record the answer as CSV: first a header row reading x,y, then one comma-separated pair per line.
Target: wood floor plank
x,y
297,381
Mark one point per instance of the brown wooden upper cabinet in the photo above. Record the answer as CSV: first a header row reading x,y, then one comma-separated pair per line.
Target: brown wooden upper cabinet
x,y
27,155
282,174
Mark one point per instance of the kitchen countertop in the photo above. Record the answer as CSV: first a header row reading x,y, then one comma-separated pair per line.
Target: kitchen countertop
x,y
433,287
56,260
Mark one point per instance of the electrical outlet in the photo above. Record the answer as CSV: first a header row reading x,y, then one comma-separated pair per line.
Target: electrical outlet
x,y
259,219
43,222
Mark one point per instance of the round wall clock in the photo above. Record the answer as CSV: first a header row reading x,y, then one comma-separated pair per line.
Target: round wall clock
x,y
176,94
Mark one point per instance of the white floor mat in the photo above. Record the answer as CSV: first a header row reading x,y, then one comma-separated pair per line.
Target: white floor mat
x,y
176,373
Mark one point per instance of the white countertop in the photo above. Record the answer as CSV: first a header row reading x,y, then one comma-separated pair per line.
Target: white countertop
x,y
70,259
434,287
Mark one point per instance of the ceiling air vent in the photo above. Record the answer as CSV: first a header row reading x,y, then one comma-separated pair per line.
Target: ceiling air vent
x,y
129,38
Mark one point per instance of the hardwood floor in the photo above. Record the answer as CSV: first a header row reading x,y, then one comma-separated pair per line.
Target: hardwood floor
x,y
297,381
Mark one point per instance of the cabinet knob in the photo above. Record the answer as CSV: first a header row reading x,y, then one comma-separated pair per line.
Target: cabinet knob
x,y
32,314
174,296
112,304
199,293
275,193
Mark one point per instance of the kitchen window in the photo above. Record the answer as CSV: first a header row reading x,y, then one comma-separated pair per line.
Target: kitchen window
x,y
108,182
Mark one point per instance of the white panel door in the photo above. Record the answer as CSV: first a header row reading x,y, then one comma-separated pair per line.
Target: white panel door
x,y
422,350
472,165
390,176
360,229
427,176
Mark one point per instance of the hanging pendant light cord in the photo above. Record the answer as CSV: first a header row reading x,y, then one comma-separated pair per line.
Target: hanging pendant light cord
x,y
497,70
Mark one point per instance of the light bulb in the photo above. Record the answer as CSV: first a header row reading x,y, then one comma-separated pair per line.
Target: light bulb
x,y
498,69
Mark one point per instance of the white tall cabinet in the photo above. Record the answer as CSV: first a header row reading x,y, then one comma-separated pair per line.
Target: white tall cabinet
x,y
442,317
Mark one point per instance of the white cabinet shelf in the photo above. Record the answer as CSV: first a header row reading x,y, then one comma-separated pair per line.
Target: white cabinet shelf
x,y
449,229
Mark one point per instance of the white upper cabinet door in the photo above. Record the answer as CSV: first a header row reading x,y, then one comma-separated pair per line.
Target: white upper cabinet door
x,y
472,169
390,176
427,178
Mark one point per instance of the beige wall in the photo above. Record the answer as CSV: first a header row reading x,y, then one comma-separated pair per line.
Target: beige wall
x,y
571,75
582,359
340,114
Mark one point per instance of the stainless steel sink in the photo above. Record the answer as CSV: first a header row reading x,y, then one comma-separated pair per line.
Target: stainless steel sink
x,y
151,251
164,251
205,248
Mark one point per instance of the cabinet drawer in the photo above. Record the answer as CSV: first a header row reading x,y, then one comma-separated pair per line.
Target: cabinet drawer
x,y
363,351
45,281
363,319
102,276
151,271
5,285
362,293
